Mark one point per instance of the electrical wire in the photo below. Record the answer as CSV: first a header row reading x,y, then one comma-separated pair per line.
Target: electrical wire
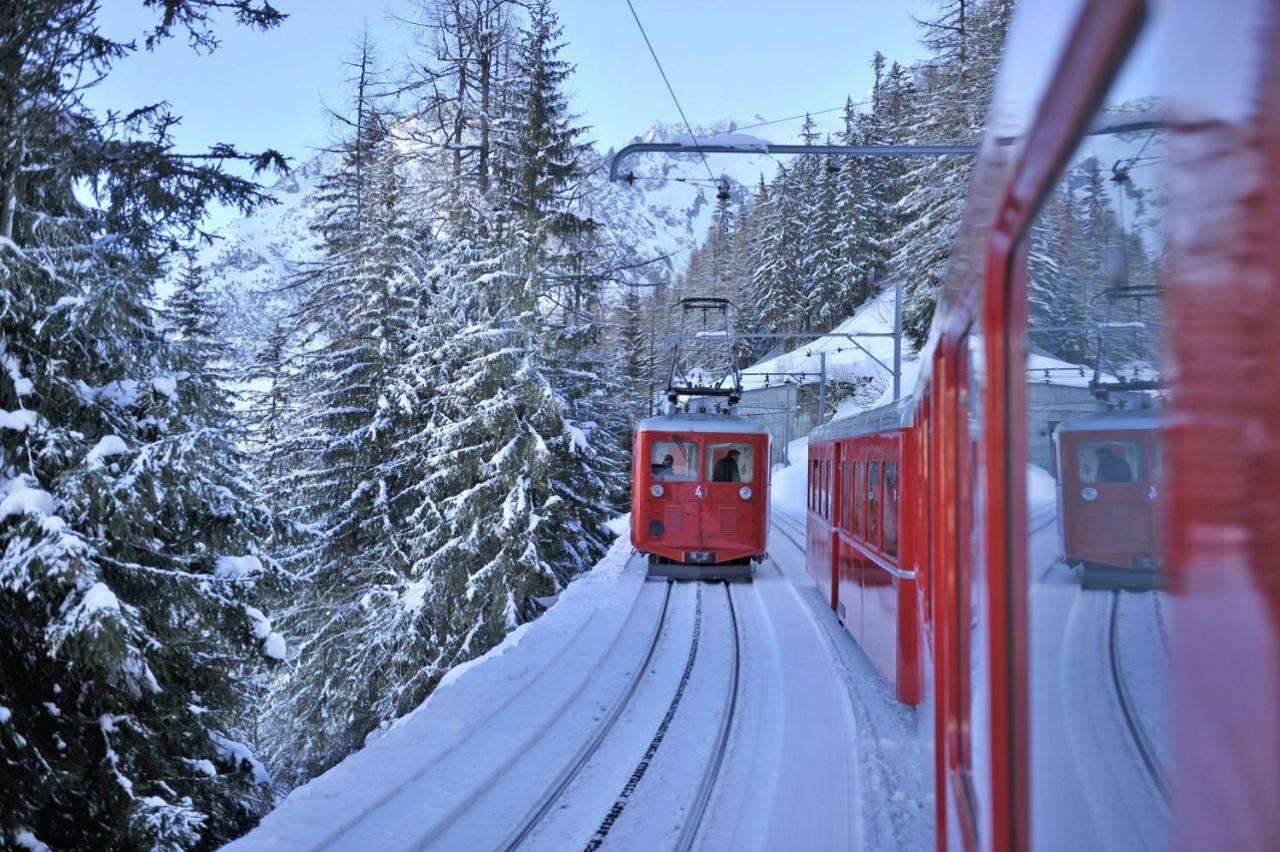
x,y
801,115
679,108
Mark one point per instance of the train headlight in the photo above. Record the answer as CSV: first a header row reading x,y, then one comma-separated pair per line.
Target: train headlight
x,y
744,492
656,490
1089,494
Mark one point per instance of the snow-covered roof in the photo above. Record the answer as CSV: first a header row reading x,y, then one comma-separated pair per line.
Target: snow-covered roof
x,y
701,423
843,357
1144,420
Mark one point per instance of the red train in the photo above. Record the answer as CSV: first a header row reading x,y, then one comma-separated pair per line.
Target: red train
x,y
700,495
859,545
1110,472
1133,151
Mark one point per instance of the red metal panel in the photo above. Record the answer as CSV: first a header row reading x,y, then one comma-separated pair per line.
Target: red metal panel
x,y
1223,531
699,515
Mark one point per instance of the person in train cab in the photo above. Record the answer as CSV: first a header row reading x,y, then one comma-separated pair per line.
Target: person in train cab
x,y
726,470
666,469
1111,467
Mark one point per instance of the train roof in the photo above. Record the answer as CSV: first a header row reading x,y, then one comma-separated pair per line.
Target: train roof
x,y
691,422
891,417
1114,421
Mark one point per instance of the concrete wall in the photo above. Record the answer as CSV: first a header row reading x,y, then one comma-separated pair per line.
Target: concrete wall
x,y
1050,404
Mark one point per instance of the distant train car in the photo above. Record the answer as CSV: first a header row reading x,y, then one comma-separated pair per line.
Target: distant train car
x,y
1110,473
861,544
700,495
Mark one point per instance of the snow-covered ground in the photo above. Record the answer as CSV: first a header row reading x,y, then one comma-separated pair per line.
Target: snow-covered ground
x,y
818,754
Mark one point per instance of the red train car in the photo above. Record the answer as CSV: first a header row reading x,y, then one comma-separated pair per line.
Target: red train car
x,y
1133,149
1110,473
700,495
861,554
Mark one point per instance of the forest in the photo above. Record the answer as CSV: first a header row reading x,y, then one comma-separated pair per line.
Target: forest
x,y
222,571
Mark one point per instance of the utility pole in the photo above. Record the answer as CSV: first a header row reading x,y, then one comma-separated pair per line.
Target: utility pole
x,y
822,389
897,340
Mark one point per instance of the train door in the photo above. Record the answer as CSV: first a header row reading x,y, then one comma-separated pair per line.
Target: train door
x,y
1108,502
734,492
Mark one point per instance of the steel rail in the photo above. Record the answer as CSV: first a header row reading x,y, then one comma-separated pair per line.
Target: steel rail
x,y
689,832
1145,749
646,760
592,745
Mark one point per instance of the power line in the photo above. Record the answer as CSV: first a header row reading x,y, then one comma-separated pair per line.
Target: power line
x,y
801,115
679,108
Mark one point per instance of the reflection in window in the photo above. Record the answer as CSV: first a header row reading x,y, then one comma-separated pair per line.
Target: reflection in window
x,y
873,502
891,508
1096,257
859,492
1109,461
674,461
730,462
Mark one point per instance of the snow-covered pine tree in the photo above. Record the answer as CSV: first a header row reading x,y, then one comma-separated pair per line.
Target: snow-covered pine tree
x,y
832,275
128,574
778,281
965,38
633,354
347,468
754,235
542,173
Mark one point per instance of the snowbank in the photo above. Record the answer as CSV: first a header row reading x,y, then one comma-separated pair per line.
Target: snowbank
x,y
455,732
789,489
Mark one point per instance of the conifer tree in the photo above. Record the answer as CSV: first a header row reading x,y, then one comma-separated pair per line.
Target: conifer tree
x,y
348,470
128,577
965,39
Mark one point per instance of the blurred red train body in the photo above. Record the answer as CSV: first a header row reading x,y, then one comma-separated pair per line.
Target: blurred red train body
x,y
700,495
961,618
1110,474
859,541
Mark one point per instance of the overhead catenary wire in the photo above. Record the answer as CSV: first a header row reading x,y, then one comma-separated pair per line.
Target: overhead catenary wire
x,y
799,116
671,90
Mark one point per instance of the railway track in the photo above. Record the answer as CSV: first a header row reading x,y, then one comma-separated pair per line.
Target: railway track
x,y
1128,707
701,797
592,745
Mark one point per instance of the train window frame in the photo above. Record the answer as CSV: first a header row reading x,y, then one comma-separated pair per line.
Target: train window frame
x,y
846,496
859,499
813,485
1086,449
826,489
890,470
656,452
746,469
875,517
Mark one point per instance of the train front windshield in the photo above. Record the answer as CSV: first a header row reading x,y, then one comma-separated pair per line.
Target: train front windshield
x,y
674,461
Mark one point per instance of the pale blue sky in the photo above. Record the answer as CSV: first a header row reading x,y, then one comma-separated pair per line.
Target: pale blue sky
x,y
726,58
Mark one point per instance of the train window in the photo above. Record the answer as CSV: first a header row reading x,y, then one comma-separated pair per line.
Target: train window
x,y
846,496
1157,461
1109,461
730,462
813,485
826,510
891,508
1097,659
859,495
873,503
675,461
